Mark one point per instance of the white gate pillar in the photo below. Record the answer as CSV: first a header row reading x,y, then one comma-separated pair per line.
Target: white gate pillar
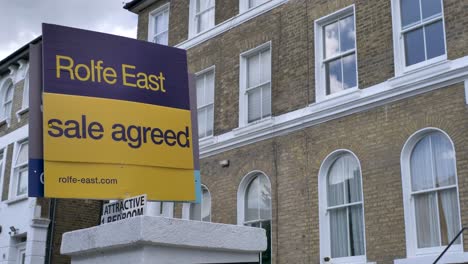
x,y
149,239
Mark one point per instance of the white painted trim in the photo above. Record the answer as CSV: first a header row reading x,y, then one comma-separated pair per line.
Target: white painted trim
x,y
228,24
155,13
324,222
243,57
399,47
466,91
2,172
12,197
408,203
410,84
320,78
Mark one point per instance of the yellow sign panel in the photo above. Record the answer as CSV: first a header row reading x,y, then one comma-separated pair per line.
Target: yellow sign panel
x,y
113,131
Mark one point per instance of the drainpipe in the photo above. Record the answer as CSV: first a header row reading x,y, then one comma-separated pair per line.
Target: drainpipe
x,y
51,231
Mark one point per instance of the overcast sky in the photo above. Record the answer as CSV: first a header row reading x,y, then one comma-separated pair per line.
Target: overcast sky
x,y
21,19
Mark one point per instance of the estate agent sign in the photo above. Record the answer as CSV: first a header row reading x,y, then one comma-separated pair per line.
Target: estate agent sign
x,y
117,118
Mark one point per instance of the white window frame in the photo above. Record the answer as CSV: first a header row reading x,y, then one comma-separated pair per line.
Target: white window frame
x,y
207,70
186,206
20,252
193,18
5,117
14,175
241,191
243,98
25,100
158,11
399,45
324,222
244,5
2,170
408,202
320,74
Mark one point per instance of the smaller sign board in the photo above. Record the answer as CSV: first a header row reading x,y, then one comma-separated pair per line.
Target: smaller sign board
x,y
124,209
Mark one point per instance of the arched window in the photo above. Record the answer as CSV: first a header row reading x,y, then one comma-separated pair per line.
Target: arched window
x,y
6,99
341,209
202,211
430,192
254,207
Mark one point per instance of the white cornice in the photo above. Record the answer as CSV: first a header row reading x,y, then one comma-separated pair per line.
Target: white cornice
x,y
410,84
229,24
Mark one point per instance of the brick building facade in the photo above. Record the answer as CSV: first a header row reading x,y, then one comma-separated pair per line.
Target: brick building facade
x,y
291,93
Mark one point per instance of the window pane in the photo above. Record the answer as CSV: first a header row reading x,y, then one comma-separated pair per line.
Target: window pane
x,y
251,200
195,212
338,233
410,12
9,93
7,110
161,39
421,166
209,121
22,154
202,122
435,40
254,104
253,71
22,187
414,47
160,23
352,175
265,66
333,75
200,91
356,230
209,87
349,71
444,160
266,100
431,8
336,183
449,217
426,220
26,92
347,33
253,3
206,206
205,20
265,198
331,40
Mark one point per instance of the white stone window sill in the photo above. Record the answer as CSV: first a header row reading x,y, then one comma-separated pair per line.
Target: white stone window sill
x,y
16,199
22,112
424,64
449,257
205,141
5,121
422,72
338,98
254,126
